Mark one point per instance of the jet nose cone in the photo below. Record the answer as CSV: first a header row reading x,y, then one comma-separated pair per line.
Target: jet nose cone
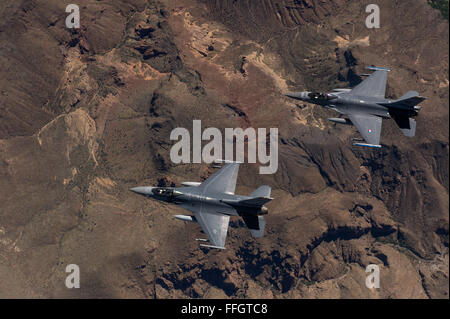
x,y
297,95
293,95
142,190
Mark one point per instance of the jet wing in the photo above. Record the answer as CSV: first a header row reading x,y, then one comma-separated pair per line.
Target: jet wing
x,y
222,181
374,85
369,126
215,227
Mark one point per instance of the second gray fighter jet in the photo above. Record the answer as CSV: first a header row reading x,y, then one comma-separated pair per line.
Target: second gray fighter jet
x,y
365,106
213,202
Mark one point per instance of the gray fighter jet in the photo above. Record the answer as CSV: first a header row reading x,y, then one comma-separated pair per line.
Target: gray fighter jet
x,y
365,106
213,202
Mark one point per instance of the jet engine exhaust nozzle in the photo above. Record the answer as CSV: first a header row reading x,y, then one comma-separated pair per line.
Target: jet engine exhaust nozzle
x,y
263,211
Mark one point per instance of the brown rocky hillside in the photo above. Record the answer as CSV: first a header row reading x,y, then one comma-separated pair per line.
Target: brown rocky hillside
x,y
86,113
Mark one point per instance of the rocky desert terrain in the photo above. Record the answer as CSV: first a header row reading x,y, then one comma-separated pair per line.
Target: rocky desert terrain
x,y
86,113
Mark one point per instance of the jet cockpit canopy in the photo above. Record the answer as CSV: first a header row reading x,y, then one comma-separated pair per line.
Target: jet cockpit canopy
x,y
165,192
321,96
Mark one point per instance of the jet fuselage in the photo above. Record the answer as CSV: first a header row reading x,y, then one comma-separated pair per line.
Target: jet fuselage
x,y
343,103
191,198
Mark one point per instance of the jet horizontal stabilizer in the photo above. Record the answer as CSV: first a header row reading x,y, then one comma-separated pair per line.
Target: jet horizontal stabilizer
x,y
255,224
262,191
408,95
258,233
406,124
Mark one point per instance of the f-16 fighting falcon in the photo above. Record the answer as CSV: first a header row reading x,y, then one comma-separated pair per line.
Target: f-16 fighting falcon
x,y
365,106
213,202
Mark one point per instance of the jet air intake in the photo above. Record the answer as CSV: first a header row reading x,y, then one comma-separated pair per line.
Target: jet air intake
x,y
340,120
186,218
